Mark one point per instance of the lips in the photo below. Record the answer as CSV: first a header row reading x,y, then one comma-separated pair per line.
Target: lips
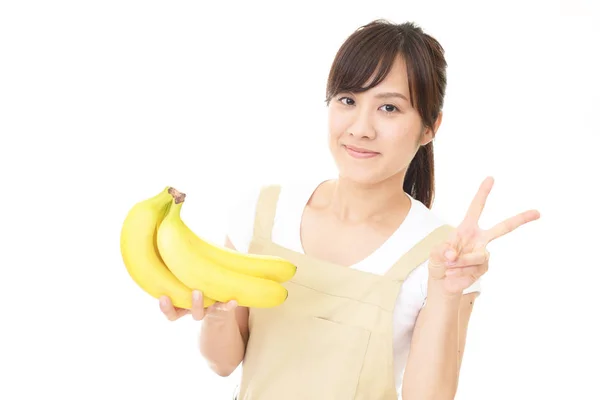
x,y
359,152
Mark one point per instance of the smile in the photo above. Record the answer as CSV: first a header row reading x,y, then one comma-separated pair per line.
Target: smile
x,y
360,153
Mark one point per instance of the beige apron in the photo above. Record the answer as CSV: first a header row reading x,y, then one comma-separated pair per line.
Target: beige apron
x,y
332,338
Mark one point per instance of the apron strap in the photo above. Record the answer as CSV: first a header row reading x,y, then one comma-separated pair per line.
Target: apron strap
x,y
265,212
418,254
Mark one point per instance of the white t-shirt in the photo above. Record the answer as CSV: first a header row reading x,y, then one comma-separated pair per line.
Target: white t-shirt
x,y
286,232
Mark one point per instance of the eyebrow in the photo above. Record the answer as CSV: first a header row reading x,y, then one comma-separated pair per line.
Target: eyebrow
x,y
386,95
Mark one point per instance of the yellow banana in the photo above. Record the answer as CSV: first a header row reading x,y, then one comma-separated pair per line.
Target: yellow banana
x,y
260,266
141,257
191,266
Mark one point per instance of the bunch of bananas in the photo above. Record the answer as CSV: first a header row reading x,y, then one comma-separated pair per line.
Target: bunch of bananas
x,y
165,257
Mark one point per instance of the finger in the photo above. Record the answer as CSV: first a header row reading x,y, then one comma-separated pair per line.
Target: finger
x,y
472,271
511,224
167,308
437,257
470,259
213,309
448,250
181,312
220,307
454,247
197,305
437,261
478,202
231,305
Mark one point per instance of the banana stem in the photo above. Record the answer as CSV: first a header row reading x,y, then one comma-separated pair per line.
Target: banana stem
x,y
177,195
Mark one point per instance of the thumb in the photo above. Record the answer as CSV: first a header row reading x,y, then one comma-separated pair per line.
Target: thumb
x,y
225,307
230,305
440,258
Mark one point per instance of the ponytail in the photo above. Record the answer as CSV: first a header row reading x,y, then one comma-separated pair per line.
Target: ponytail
x,y
419,181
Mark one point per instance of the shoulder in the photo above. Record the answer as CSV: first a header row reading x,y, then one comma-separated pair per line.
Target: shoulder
x,y
426,218
242,210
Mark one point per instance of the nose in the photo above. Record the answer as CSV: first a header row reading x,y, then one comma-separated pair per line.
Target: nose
x,y
362,125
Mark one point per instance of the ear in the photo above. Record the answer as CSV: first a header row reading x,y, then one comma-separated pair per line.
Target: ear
x,y
428,133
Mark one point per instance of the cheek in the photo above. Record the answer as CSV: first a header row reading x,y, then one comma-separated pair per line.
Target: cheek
x,y
399,145
393,137
336,124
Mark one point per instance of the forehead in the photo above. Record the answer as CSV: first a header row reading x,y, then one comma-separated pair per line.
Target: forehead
x,y
397,78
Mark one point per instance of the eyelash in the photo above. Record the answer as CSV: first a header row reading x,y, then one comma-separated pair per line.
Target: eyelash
x,y
385,105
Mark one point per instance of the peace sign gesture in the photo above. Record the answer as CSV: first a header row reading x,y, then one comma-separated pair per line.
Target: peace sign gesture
x,y
463,257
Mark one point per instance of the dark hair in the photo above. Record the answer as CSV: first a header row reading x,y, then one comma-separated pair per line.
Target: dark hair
x,y
374,47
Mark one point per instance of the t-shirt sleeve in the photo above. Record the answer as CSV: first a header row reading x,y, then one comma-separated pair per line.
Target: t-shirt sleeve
x,y
240,224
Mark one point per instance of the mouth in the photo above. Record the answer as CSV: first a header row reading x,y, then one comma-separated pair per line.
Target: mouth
x,y
358,152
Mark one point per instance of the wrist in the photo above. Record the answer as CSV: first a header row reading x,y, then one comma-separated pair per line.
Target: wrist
x,y
436,293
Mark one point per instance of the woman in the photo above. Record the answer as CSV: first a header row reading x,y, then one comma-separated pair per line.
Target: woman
x,y
368,248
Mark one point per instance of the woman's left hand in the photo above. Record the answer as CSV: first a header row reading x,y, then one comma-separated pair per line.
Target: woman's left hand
x,y
463,258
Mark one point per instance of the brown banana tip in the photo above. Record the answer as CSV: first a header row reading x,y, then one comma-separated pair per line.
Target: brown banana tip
x,y
177,195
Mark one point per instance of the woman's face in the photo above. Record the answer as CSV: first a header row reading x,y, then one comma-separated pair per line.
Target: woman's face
x,y
374,135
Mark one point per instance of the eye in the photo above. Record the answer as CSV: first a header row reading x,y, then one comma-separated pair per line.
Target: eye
x,y
388,108
349,102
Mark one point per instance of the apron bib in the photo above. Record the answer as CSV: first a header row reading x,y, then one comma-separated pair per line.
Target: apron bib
x,y
332,337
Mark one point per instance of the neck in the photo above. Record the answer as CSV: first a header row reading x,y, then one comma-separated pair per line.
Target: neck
x,y
357,203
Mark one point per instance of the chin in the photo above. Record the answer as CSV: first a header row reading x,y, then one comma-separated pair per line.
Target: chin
x,y
362,176
363,172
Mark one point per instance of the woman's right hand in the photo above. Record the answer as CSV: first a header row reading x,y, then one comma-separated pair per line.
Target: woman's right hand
x,y
218,310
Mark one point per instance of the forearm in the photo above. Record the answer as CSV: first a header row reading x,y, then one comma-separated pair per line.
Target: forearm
x,y
433,364
221,344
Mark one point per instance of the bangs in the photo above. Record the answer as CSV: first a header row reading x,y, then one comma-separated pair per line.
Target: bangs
x,y
364,60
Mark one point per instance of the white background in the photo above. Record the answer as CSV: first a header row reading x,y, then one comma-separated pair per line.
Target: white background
x,y
104,103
